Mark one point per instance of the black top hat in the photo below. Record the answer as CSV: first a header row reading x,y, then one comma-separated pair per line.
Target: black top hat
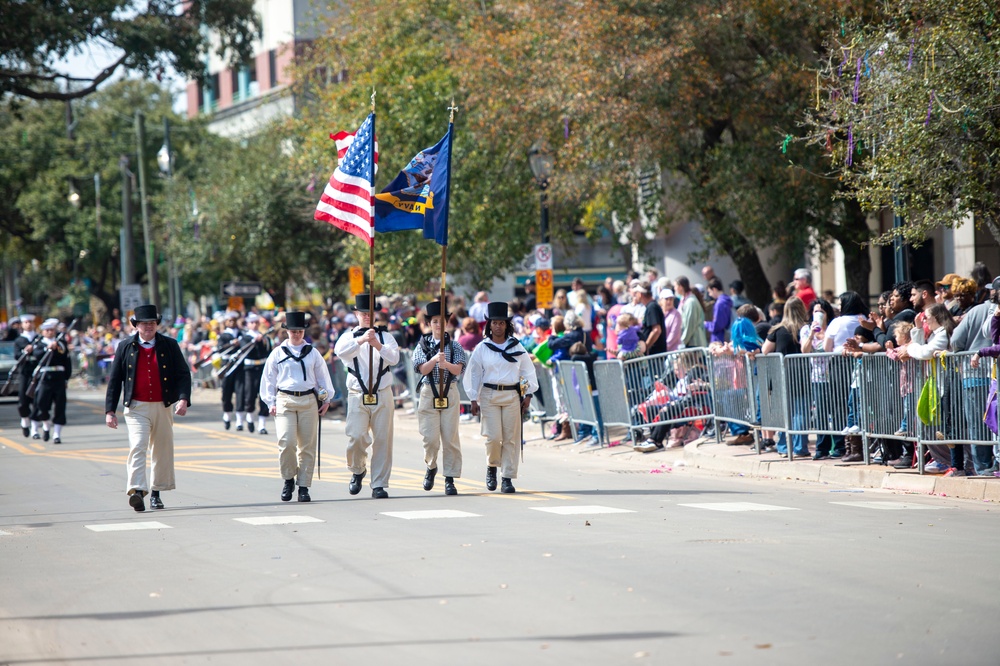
x,y
145,313
295,321
362,303
433,309
497,310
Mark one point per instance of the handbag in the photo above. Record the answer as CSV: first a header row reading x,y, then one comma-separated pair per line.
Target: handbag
x,y
927,403
991,417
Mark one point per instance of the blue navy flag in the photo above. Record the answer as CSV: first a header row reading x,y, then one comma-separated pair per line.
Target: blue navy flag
x,y
418,197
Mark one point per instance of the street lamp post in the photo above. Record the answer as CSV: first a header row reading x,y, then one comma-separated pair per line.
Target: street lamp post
x,y
164,160
540,160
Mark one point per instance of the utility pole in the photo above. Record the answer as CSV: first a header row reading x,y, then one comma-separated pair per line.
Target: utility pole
x,y
154,282
127,241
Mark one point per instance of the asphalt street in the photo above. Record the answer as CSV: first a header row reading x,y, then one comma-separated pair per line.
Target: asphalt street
x,y
595,560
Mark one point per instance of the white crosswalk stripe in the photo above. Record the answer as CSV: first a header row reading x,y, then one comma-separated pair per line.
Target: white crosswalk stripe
x,y
125,527
430,513
578,510
889,505
278,520
739,506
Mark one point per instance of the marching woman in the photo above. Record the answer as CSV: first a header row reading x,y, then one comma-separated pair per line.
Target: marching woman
x,y
297,389
49,407
498,366
438,411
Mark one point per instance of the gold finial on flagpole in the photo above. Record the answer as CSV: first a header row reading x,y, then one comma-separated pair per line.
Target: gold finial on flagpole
x,y
373,99
452,109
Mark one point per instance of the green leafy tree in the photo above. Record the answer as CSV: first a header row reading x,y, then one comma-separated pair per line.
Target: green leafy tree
x,y
148,37
910,114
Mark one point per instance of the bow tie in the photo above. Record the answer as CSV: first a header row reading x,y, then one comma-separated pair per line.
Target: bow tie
x,y
361,331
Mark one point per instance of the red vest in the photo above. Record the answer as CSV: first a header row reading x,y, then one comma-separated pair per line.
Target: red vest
x,y
148,385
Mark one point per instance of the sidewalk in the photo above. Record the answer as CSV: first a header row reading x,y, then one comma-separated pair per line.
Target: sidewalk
x,y
706,454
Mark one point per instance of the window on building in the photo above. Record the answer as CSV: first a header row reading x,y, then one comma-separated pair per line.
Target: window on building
x,y
253,87
272,62
234,82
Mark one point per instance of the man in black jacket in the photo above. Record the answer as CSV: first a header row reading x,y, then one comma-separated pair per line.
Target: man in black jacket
x,y
155,376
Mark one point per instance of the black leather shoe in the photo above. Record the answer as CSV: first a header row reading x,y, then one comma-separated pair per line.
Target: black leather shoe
x,y
286,491
26,431
250,426
227,424
429,478
57,440
449,486
45,435
135,501
491,478
506,486
239,428
304,494
154,501
36,436
355,486
262,431
379,493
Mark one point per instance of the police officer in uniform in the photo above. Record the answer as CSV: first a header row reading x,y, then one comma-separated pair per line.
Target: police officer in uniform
x,y
297,389
438,406
49,406
370,405
498,366
25,344
232,386
253,370
155,376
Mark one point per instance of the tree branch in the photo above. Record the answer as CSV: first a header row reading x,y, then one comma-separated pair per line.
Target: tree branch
x,y
105,74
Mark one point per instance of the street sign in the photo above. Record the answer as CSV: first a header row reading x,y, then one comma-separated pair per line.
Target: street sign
x,y
241,289
543,257
131,297
356,278
543,289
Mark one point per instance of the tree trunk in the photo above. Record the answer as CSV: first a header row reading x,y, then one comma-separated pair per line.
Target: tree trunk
x,y
744,255
853,236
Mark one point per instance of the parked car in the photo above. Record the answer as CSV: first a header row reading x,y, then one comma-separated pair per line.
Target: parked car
x,y
6,363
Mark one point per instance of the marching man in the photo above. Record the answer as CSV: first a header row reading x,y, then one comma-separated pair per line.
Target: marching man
x,y
296,388
493,380
49,408
25,345
232,386
253,369
370,406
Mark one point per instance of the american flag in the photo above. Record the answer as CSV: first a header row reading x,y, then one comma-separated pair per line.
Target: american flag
x,y
347,201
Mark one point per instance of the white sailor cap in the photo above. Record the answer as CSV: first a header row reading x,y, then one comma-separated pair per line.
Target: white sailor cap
x,y
232,314
49,324
27,317
253,318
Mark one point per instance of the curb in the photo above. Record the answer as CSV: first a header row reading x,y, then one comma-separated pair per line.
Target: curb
x,y
853,475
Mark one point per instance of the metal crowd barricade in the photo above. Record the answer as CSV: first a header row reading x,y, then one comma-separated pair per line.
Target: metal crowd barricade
x,y
733,391
411,393
772,394
664,389
887,402
544,410
824,382
576,389
609,376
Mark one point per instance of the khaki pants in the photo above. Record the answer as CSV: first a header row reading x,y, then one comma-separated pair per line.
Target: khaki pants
x,y
370,425
439,428
150,428
296,419
501,426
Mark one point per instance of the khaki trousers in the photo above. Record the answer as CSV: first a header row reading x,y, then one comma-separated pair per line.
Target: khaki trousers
x,y
296,419
150,428
439,428
370,425
501,426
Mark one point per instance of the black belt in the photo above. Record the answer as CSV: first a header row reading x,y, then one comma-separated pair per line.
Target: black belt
x,y
503,387
297,394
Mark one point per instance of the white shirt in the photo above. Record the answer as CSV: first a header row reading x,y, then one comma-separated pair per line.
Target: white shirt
x,y
489,367
349,350
287,375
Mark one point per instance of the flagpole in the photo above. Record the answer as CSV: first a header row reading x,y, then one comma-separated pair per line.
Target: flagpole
x,y
371,266
444,247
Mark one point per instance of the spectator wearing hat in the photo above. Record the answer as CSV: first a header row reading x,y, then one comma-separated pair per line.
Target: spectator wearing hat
x,y
802,282
232,385
49,405
297,389
253,370
154,375
439,365
498,368
25,345
370,405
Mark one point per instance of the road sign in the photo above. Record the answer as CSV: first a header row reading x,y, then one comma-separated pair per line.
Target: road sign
x,y
241,289
356,278
131,296
543,257
543,289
